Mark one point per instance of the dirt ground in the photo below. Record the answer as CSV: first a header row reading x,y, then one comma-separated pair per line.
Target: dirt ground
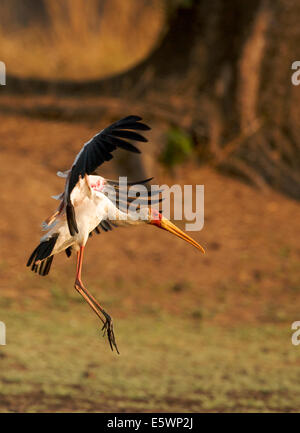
x,y
249,280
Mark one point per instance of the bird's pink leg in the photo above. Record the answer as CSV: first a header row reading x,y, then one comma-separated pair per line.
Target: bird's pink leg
x,y
84,293
93,303
88,296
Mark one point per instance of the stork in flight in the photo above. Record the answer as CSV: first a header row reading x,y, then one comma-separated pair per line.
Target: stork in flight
x,y
85,207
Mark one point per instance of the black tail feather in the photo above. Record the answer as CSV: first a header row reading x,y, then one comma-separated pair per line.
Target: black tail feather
x,y
41,259
42,267
48,265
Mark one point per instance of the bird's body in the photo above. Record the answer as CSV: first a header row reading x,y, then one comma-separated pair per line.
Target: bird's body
x,y
91,207
85,207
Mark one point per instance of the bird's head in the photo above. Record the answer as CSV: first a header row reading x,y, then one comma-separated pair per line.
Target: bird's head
x,y
157,219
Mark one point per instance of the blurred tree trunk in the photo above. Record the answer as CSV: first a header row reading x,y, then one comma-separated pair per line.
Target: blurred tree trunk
x,y
224,68
221,71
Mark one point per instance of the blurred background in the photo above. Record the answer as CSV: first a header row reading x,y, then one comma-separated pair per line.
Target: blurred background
x,y
196,333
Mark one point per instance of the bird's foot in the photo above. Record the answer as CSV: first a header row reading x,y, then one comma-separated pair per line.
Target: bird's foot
x,y
108,330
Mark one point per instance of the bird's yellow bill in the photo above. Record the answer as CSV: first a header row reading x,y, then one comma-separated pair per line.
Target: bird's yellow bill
x,y
170,227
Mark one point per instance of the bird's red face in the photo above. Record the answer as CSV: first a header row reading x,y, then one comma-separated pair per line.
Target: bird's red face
x,y
160,221
97,183
155,217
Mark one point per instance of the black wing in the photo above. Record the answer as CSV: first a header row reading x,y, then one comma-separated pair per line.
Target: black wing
x,y
98,150
41,258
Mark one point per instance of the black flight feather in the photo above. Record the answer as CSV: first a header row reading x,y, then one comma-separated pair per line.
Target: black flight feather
x,y
98,150
41,259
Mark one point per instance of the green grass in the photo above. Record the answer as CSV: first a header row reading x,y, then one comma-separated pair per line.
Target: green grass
x,y
57,360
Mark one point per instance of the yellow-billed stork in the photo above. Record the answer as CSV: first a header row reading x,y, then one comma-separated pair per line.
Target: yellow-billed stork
x,y
85,207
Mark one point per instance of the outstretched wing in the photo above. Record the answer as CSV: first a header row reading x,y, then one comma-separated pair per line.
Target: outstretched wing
x,y
98,150
123,202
